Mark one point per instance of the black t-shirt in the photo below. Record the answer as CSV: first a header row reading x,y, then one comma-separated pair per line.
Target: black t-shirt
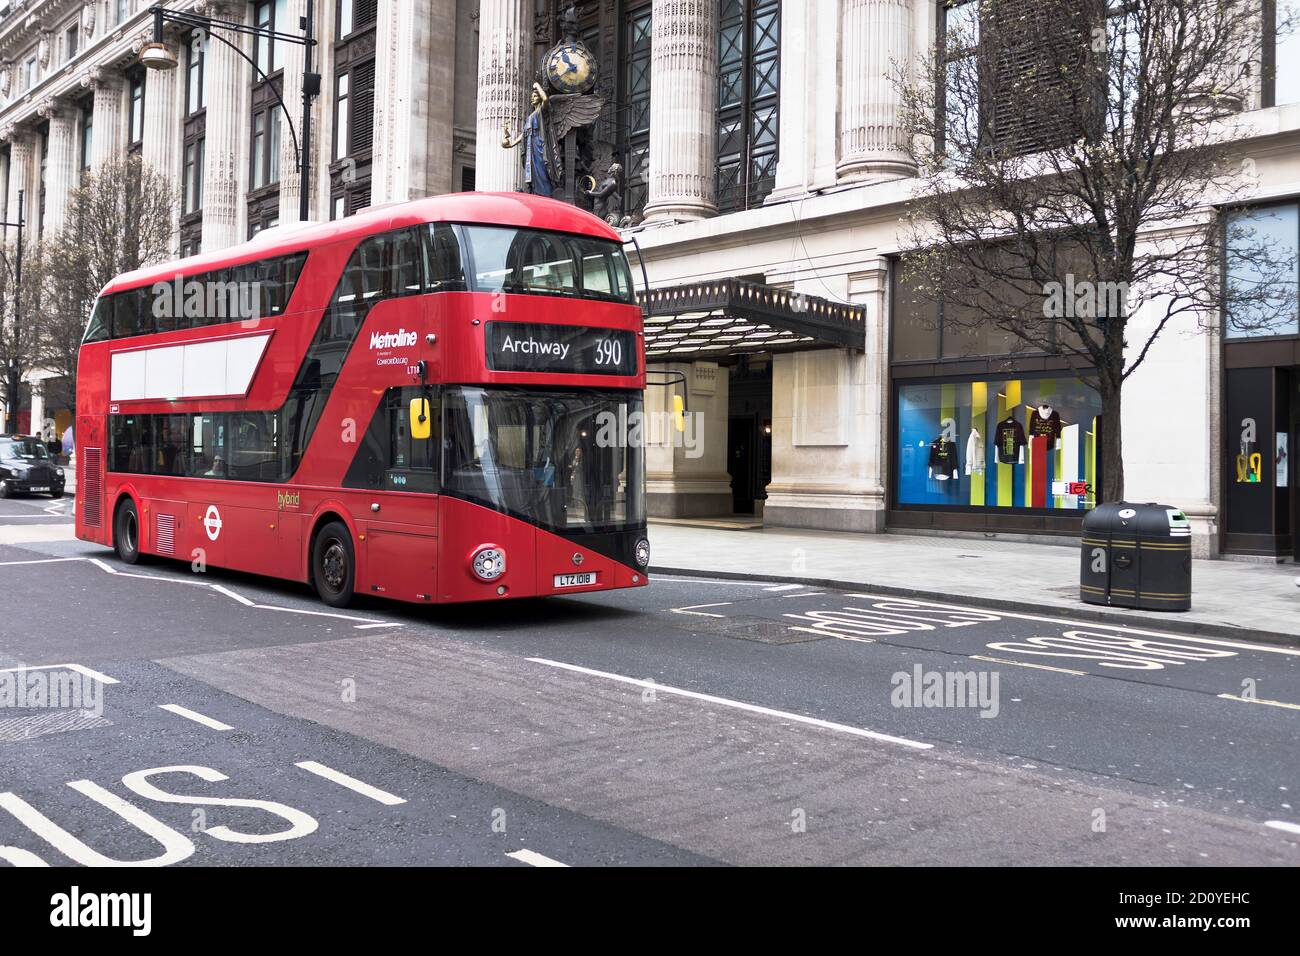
x,y
1010,439
1049,426
943,458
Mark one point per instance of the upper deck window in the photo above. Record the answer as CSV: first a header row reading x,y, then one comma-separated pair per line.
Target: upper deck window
x,y
531,262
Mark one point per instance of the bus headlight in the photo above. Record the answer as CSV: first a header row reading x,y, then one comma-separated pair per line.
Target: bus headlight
x,y
489,563
642,553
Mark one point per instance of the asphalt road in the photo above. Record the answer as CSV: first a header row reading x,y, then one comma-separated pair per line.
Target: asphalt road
x,y
692,721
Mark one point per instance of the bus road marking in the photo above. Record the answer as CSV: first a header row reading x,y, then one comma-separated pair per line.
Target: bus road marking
x,y
737,704
352,783
532,858
195,716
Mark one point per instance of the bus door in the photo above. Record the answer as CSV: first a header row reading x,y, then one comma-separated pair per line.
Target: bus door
x,y
402,528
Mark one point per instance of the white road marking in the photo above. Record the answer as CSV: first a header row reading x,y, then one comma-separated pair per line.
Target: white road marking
x,y
1283,826
534,859
691,609
1077,623
1260,700
738,705
233,596
195,716
364,627
352,783
80,669
785,587
674,579
239,598
1037,667
13,564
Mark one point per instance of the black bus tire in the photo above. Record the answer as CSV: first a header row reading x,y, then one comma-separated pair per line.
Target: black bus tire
x,y
126,532
334,564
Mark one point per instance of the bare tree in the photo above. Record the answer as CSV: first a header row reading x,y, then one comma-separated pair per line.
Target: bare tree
x,y
19,297
119,219
1070,155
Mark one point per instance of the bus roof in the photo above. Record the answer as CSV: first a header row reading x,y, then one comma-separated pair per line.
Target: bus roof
x,y
502,209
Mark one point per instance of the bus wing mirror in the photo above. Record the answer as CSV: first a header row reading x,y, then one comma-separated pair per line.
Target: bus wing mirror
x,y
421,424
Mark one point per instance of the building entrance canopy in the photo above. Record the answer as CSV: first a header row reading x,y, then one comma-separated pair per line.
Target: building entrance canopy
x,y
721,317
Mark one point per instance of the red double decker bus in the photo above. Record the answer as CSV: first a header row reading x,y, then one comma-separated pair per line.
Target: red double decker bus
x,y
434,401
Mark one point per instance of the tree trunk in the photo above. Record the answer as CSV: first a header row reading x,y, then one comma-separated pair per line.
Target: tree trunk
x,y
1112,442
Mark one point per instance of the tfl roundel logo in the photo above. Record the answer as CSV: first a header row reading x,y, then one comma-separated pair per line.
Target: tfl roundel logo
x,y
212,523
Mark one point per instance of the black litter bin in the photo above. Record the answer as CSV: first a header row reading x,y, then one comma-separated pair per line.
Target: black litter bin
x,y
1137,556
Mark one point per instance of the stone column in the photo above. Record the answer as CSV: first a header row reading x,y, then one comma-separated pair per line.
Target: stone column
x,y
505,75
106,139
870,289
877,41
38,408
683,110
227,107
414,134
292,56
22,156
60,167
162,121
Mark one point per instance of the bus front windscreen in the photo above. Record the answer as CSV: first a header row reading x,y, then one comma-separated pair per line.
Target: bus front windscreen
x,y
563,460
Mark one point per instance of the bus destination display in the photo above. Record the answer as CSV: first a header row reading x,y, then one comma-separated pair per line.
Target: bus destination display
x,y
538,347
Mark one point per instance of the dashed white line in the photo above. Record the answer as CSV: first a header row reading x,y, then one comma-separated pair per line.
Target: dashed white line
x,y
352,783
195,716
1283,825
534,859
737,704
786,587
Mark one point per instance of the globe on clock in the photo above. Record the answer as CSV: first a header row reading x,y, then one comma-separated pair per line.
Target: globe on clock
x,y
571,68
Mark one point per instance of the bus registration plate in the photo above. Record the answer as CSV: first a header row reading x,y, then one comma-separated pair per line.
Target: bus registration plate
x,y
575,580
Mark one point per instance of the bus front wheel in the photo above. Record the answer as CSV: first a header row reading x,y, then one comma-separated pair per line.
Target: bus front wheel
x,y
126,533
333,563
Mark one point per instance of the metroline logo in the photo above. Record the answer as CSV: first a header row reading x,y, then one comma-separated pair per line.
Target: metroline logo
x,y
392,340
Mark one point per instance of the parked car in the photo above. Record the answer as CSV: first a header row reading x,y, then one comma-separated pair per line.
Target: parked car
x,y
26,468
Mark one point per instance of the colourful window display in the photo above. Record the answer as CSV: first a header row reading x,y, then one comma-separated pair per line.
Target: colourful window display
x,y
1007,443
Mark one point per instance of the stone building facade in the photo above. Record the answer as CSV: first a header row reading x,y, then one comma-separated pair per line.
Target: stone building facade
x,y
761,144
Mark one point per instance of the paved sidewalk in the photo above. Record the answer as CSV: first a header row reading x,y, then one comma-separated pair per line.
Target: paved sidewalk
x,y
1255,600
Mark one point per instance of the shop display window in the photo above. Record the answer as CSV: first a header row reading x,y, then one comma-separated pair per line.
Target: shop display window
x,y
1026,443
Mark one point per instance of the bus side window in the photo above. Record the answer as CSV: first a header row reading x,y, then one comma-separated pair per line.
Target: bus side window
x,y
406,276
443,268
100,326
127,320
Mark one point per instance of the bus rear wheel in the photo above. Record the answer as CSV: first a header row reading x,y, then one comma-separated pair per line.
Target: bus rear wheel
x,y
333,564
126,533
